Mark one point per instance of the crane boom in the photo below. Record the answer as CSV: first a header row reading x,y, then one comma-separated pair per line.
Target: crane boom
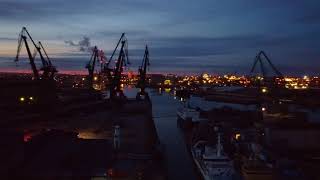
x,y
270,63
23,39
143,69
44,63
123,59
143,76
146,60
48,68
91,65
115,49
20,41
258,59
45,52
254,64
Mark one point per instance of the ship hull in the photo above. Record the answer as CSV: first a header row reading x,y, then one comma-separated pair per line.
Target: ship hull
x,y
204,175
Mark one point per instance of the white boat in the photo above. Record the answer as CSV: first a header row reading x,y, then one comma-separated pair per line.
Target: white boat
x,y
187,116
187,113
212,162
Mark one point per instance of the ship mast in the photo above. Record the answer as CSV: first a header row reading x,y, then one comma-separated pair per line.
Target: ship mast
x,y
219,147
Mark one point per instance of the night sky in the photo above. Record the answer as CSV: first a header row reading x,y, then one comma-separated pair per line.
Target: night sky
x,y
183,36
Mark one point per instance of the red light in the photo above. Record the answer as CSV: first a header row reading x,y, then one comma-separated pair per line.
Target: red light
x,y
27,137
110,172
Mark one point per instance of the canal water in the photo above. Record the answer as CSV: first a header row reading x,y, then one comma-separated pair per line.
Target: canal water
x,y
164,106
179,161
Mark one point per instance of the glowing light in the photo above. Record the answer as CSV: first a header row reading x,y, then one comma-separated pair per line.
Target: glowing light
x,y
95,78
83,79
263,109
288,79
167,82
205,76
22,99
30,98
90,134
237,136
264,90
27,137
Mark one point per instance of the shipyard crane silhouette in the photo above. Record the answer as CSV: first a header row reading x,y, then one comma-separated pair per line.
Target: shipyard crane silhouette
x,y
23,39
266,80
258,59
143,76
106,69
265,85
48,69
91,65
123,59
41,90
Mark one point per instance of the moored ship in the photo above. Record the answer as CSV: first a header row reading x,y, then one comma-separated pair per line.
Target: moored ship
x,y
211,161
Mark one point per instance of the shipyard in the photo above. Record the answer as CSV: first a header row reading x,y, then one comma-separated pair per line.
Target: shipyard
x,y
119,90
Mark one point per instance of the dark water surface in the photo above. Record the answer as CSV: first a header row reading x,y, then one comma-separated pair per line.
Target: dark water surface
x,y
179,162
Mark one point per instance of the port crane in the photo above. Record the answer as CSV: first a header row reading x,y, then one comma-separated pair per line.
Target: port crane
x,y
42,91
143,75
265,84
123,60
265,80
48,69
105,68
91,65
23,39
258,59
52,70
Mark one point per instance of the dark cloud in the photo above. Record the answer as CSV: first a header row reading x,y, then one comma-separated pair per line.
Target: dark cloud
x,y
310,18
84,44
36,10
8,39
71,43
198,46
136,34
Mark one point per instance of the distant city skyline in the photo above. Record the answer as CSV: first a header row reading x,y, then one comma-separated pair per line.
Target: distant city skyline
x,y
183,37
